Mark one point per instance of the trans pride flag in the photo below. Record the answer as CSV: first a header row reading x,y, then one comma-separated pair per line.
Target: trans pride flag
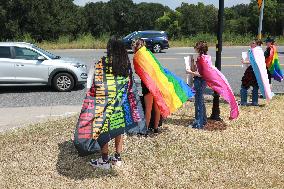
x,y
169,91
257,61
273,65
111,107
217,81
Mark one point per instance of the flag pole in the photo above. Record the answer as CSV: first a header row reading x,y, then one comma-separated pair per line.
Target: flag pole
x,y
260,20
216,109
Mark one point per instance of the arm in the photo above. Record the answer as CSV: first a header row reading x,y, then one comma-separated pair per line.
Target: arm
x,y
193,73
90,77
245,61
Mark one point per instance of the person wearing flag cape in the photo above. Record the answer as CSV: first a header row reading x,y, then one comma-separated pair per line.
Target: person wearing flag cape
x,y
159,86
207,74
272,61
255,75
111,107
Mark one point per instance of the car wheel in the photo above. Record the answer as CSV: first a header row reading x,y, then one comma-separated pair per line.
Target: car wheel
x,y
157,48
63,82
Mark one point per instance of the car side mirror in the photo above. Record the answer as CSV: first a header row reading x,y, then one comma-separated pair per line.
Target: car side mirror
x,y
41,58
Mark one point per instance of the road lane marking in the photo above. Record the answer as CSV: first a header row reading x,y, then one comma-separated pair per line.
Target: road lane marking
x,y
171,58
66,114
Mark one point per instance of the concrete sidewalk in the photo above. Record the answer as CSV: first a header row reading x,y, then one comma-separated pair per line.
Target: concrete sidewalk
x,y
11,118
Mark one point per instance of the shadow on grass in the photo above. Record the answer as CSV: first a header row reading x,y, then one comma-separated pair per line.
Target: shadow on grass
x,y
72,166
183,121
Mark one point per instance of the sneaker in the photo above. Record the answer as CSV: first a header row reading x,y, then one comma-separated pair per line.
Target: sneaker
x,y
272,94
243,104
116,161
156,131
100,164
254,104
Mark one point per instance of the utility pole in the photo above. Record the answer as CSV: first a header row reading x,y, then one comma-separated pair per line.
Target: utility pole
x,y
260,20
216,109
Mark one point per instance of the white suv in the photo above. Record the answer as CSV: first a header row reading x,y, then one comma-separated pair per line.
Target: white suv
x,y
24,63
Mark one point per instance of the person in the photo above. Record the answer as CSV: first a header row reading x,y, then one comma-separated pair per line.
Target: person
x,y
110,108
269,42
249,80
207,74
199,86
149,101
272,61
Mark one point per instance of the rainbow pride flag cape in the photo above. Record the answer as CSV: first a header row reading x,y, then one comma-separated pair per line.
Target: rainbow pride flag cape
x,y
257,61
169,91
273,65
217,82
111,107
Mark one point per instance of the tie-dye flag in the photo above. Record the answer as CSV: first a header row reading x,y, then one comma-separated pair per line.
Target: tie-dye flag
x,y
169,91
111,107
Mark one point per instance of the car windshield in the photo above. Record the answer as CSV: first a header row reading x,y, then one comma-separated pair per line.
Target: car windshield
x,y
50,55
129,35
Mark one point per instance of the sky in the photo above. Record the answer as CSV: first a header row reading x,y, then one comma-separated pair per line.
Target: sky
x,y
175,3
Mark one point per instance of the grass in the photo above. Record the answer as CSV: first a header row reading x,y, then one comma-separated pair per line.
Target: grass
x,y
247,154
87,41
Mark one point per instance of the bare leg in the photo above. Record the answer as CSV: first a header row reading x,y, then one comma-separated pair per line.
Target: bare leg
x,y
118,144
105,152
157,115
148,98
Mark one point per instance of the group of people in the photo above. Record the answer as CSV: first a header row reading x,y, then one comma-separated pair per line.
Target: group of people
x,y
112,105
261,67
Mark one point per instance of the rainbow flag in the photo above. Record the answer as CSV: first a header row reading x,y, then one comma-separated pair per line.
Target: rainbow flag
x,y
273,65
169,91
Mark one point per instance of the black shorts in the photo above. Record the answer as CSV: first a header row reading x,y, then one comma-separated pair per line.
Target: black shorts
x,y
145,90
269,75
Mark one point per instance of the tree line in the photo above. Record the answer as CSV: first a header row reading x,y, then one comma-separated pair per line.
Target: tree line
x,y
48,20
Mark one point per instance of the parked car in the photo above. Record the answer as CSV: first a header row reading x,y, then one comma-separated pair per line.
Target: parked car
x,y
25,63
155,40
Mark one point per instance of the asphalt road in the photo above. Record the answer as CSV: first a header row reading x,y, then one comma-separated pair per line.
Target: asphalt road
x,y
171,58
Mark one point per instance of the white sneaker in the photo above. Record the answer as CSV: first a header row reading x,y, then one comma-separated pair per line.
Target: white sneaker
x,y
272,94
116,161
100,164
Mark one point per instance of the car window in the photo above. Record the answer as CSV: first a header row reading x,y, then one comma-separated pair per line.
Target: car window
x,y
24,53
5,52
151,35
50,55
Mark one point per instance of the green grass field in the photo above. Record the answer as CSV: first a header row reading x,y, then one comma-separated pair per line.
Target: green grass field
x,y
247,154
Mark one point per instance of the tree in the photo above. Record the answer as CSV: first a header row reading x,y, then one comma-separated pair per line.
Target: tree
x,y
197,18
170,22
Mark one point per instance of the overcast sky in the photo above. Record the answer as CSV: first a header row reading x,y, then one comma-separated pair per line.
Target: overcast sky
x,y
175,3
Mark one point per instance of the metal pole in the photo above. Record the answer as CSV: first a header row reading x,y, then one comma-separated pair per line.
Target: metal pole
x,y
260,20
216,109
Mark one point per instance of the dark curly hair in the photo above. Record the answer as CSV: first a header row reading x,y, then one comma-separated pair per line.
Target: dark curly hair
x,y
118,57
201,47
